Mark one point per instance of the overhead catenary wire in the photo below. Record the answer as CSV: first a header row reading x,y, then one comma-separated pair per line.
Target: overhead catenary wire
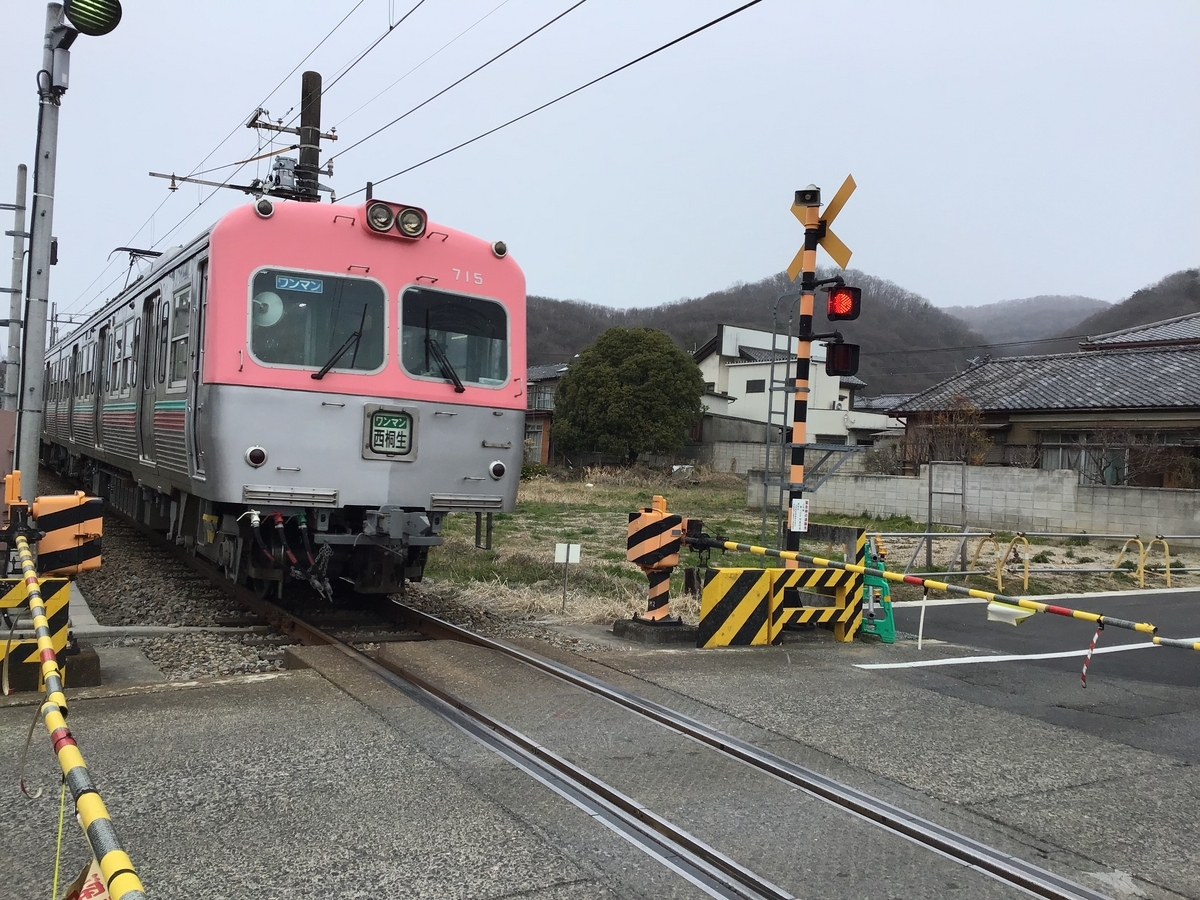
x,y
241,123
561,97
470,27
455,84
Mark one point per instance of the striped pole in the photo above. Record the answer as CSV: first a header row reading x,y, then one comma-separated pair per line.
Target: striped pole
x,y
1087,660
810,200
1023,603
120,877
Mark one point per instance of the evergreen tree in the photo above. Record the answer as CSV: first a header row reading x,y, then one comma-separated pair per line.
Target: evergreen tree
x,y
633,391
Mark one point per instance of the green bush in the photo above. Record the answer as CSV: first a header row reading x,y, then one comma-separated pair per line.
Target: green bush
x,y
533,470
1042,557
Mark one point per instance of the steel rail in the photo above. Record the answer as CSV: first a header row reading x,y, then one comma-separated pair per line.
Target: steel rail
x,y
1003,867
704,866
715,873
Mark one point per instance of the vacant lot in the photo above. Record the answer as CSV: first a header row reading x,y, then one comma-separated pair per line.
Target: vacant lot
x,y
518,578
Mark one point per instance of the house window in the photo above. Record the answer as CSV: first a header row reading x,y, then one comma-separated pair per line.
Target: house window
x,y
756,386
540,396
533,441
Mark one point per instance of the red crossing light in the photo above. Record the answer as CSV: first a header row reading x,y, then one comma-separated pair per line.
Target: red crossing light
x,y
843,303
841,359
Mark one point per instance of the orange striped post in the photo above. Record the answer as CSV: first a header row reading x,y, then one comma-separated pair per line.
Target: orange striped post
x,y
807,208
653,541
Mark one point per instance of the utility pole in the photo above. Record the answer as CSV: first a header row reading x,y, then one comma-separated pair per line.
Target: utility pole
x,y
51,85
12,367
308,168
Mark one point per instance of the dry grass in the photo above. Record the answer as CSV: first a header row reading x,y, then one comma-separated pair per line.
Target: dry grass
x,y
518,580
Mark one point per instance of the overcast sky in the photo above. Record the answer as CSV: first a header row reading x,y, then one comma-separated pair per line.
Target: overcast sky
x,y
1001,150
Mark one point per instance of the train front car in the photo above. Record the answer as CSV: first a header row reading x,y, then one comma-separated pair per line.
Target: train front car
x,y
363,375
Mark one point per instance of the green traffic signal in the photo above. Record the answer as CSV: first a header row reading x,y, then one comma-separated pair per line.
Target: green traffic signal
x,y
93,17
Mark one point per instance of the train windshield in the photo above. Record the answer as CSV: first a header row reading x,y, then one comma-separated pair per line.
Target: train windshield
x,y
453,337
301,319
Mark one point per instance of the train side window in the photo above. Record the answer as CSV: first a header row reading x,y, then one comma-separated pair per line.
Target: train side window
x,y
163,322
110,372
135,348
181,320
469,333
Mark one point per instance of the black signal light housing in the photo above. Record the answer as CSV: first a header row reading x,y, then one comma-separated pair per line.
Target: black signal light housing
x,y
841,359
843,303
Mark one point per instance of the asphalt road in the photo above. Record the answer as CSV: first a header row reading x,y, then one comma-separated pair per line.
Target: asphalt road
x,y
1147,698
1177,614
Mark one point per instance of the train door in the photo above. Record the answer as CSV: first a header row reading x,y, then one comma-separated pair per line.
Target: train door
x,y
101,373
148,388
69,399
198,392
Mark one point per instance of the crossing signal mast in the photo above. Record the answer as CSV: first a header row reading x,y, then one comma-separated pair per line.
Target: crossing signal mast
x,y
843,303
64,23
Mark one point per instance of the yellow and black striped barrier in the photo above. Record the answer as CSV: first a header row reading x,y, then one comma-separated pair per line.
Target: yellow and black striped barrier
x,y
116,868
747,607
1002,600
750,607
21,659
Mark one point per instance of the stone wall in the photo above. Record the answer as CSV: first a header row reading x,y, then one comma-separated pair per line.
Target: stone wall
x,y
1008,499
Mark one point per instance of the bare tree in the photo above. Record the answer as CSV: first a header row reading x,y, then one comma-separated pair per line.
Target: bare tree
x,y
953,434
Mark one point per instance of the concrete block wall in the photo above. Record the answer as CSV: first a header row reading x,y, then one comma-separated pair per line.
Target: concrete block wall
x,y
1007,499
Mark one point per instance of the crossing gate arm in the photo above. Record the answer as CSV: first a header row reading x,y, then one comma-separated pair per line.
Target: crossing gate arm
x,y
1022,602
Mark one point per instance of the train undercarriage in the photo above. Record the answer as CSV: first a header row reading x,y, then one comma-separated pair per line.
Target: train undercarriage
x,y
272,546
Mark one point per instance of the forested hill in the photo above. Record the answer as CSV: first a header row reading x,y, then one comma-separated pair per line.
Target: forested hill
x,y
907,343
1175,295
1030,319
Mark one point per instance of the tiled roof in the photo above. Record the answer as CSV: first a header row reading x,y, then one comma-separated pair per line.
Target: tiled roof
x,y
545,373
1183,328
883,402
762,354
1155,378
852,381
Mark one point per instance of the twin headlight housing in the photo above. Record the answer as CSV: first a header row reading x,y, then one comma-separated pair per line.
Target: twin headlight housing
x,y
407,221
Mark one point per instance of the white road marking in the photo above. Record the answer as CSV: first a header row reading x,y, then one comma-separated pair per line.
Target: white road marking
x,y
968,660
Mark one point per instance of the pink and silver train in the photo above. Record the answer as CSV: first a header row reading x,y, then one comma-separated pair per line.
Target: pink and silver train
x,y
302,392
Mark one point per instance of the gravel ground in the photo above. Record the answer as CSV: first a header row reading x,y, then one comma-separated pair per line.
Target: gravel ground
x,y
141,585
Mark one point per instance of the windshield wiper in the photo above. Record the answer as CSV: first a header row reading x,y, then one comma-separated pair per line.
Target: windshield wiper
x,y
443,361
353,340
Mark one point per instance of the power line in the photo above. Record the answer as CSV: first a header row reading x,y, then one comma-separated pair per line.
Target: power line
x,y
470,27
455,84
1053,340
345,71
537,109
208,156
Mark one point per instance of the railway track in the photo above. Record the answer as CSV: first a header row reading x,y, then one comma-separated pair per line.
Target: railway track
x,y
704,866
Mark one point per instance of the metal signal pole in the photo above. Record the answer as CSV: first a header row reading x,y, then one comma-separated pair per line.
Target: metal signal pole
x,y
810,200
12,368
51,85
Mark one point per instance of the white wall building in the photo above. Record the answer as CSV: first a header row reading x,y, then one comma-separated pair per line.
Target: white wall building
x,y
736,366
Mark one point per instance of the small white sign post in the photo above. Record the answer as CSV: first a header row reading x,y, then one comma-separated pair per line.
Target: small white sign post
x,y
566,554
799,515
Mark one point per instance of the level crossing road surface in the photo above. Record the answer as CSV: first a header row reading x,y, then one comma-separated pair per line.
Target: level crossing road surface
x,y
1147,698
1176,613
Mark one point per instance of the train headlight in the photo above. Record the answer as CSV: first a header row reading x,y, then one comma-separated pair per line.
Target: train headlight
x,y
411,223
256,456
380,216
497,470
264,208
